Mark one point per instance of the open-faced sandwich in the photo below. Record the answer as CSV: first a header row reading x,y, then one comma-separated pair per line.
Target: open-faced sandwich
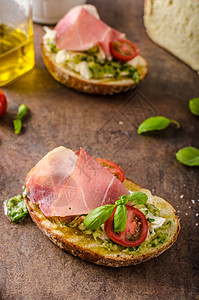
x,y
87,207
84,53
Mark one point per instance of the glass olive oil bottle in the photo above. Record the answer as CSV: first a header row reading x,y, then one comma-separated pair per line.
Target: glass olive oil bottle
x,y
16,53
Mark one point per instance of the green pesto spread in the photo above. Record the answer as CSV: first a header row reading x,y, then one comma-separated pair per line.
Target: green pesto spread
x,y
154,239
99,68
16,209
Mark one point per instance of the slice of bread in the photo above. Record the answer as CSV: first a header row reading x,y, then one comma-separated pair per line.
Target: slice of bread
x,y
92,86
174,25
87,248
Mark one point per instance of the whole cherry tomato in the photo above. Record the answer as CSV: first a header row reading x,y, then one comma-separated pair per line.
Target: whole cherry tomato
x,y
3,103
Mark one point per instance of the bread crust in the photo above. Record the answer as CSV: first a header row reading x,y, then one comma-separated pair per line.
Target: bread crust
x,y
91,86
93,255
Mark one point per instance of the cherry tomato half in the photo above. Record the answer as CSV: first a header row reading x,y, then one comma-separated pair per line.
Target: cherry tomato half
x,y
123,50
112,167
3,103
135,232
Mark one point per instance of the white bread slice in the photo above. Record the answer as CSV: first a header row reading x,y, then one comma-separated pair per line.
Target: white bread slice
x,y
91,86
87,248
174,25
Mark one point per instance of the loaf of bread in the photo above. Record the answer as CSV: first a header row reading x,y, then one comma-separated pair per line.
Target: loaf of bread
x,y
174,25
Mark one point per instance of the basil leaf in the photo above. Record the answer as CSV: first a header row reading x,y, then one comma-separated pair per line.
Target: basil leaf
x,y
194,106
22,111
17,125
155,123
150,220
138,198
120,218
98,216
188,156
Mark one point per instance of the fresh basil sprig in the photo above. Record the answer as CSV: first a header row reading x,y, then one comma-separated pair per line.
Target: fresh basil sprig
x,y
100,215
188,156
22,111
194,106
155,123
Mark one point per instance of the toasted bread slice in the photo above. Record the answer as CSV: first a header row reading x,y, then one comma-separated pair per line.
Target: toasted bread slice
x,y
87,248
92,86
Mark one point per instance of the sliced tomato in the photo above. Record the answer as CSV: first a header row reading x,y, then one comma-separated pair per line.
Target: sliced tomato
x,y
123,50
135,232
112,167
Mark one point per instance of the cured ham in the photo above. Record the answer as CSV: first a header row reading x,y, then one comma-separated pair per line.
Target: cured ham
x,y
45,180
80,29
66,184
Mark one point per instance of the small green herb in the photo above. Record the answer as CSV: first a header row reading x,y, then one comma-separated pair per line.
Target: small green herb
x,y
188,156
96,70
24,194
144,211
133,74
93,50
167,225
16,209
153,209
194,106
52,46
122,200
79,58
98,216
120,218
150,220
156,123
22,111
17,125
160,239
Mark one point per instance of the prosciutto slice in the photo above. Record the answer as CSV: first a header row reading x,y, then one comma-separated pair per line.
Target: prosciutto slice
x,y
65,184
45,180
80,29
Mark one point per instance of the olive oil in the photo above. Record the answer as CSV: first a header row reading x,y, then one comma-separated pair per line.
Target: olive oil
x,y
16,53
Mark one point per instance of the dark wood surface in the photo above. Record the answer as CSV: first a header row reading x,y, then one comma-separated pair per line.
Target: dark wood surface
x,y
31,267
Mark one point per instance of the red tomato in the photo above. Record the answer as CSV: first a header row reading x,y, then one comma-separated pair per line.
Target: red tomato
x,y
123,50
113,168
3,103
135,232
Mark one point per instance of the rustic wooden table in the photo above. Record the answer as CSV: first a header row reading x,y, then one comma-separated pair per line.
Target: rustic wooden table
x,y
31,267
